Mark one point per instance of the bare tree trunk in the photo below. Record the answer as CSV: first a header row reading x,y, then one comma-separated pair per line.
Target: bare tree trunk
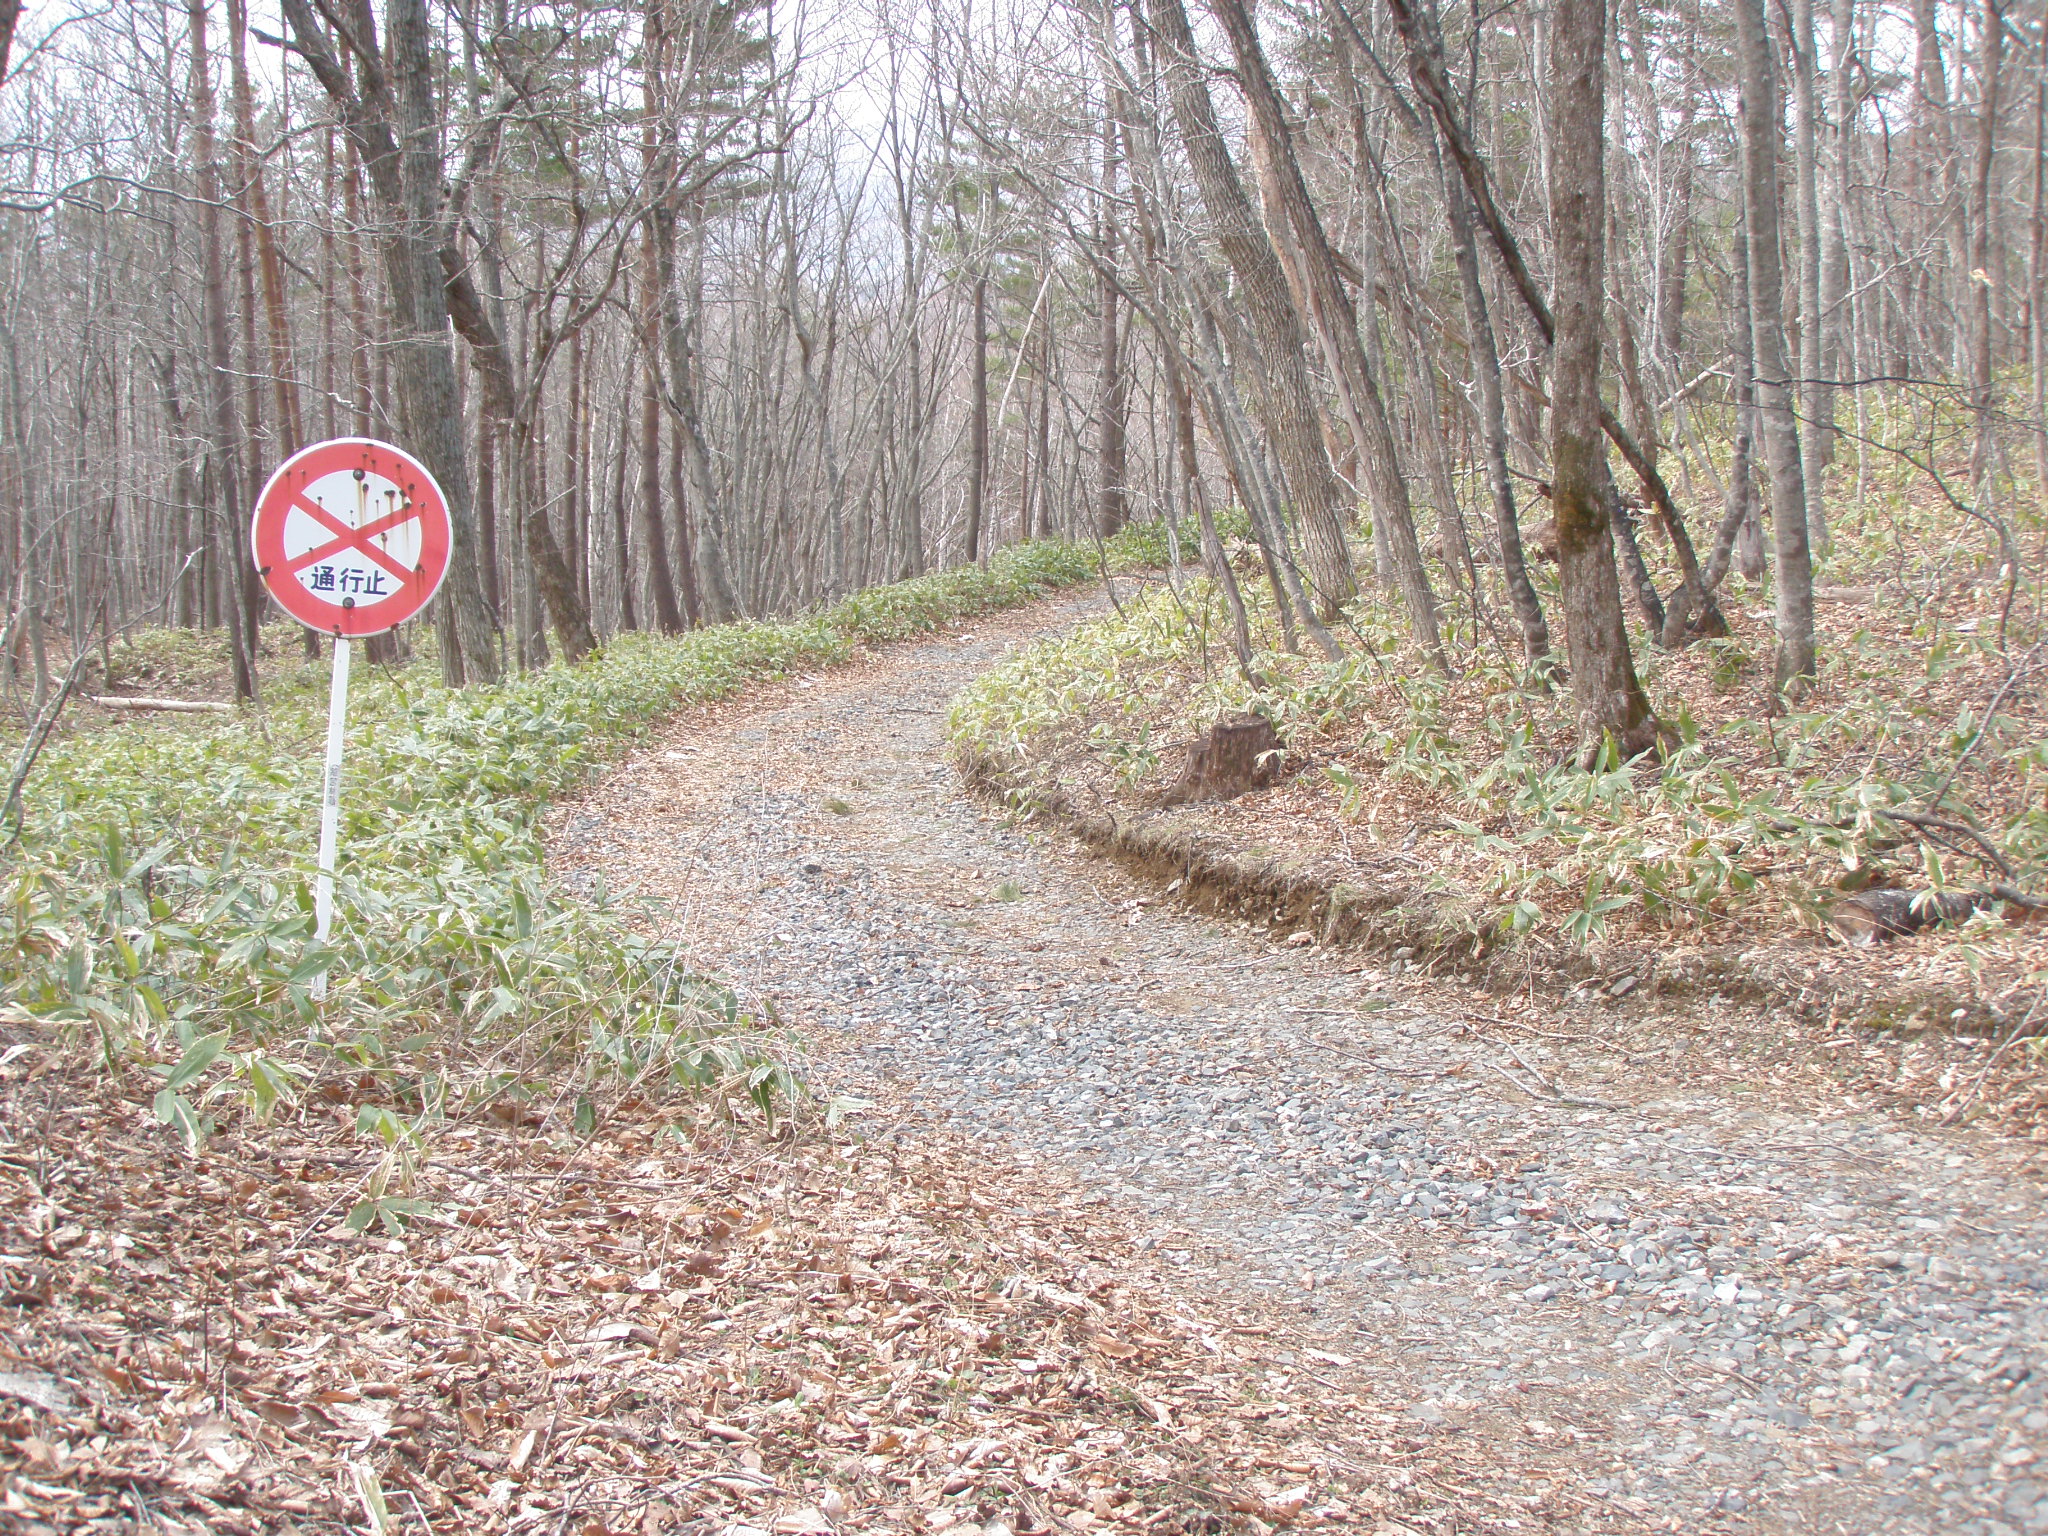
x,y
552,577
1829,319
1806,207
487,512
516,404
1041,510
1214,556
2037,284
720,599
1983,270
575,461
687,587
653,531
283,372
1454,544
1245,466
622,542
1426,69
1668,346
422,350
1934,136
1742,525
1288,403
330,292
1761,202
1665,629
1336,325
1256,491
227,429
977,435
395,123
258,225
1113,502
1486,377
1609,699
361,327
188,601
1642,586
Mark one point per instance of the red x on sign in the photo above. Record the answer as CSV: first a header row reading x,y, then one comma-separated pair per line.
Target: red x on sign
x,y
351,536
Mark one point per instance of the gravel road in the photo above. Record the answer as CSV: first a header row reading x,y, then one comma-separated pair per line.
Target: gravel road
x,y
1635,1289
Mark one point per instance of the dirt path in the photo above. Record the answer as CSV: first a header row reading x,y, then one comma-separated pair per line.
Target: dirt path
x,y
1652,1296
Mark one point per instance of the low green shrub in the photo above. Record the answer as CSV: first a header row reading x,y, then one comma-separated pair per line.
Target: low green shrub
x,y
158,898
1751,815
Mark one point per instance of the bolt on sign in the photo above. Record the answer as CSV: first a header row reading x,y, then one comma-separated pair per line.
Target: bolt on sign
x,y
351,537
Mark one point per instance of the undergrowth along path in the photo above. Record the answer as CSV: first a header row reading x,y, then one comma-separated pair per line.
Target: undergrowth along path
x,y
1607,1290
155,892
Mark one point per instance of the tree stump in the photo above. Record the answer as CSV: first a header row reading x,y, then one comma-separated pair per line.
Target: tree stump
x,y
1873,917
1238,755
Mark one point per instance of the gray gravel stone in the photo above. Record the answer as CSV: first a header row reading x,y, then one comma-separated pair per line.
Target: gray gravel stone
x,y
1717,1305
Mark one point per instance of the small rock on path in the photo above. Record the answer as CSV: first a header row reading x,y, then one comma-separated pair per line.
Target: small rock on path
x,y
1660,1299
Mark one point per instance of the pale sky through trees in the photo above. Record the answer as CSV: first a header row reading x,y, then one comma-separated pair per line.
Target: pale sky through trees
x,y
895,279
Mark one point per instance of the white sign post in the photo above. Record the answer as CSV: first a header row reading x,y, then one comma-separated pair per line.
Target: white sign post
x,y
330,807
352,538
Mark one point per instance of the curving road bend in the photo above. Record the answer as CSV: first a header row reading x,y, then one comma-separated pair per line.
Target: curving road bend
x,y
1660,1300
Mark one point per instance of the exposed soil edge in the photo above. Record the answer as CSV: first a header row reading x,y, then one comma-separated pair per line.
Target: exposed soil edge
x,y
1442,936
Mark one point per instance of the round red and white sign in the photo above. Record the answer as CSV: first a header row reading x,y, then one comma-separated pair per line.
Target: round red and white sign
x,y
351,536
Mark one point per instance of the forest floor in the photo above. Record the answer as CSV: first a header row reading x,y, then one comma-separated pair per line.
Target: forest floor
x,y
1442,828
1148,1223
669,1326
597,1298
1631,1266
